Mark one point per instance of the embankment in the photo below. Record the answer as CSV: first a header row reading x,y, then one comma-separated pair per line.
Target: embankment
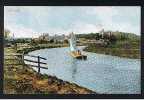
x,y
120,52
22,79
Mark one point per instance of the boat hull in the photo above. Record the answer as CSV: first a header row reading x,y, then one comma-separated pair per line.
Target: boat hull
x,y
73,54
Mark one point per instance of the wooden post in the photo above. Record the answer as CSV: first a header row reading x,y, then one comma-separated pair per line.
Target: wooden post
x,y
38,65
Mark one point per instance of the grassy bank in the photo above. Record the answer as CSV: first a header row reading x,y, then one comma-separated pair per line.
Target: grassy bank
x,y
128,49
22,79
40,46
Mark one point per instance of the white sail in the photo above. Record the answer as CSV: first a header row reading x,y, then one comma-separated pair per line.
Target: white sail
x,y
72,42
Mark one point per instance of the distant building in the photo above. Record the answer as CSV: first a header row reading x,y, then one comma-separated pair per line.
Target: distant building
x,y
109,33
59,38
44,36
56,38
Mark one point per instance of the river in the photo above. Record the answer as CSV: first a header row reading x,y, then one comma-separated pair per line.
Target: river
x,y
100,73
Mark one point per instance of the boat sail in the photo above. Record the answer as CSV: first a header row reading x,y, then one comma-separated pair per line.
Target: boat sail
x,y
73,48
72,42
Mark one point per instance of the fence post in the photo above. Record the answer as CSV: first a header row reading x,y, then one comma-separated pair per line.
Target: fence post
x,y
38,64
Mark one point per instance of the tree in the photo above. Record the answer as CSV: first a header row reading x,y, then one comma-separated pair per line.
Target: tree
x,y
33,42
52,41
66,41
113,38
98,36
106,36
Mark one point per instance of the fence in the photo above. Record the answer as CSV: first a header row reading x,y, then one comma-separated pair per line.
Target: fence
x,y
21,60
38,62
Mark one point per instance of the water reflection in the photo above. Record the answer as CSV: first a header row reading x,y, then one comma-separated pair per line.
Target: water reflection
x,y
74,68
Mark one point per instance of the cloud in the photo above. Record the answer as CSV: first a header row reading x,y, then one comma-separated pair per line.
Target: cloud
x,y
81,27
27,20
20,31
117,18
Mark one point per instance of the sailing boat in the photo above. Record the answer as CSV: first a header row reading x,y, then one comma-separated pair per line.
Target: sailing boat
x,y
74,50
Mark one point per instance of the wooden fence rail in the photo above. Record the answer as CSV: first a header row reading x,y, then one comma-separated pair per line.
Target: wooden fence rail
x,y
38,60
36,57
34,61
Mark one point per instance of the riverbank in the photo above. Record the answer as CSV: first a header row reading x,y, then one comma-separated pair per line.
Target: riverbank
x,y
132,52
40,46
22,79
119,49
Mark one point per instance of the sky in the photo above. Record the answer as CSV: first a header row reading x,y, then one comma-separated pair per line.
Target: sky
x,y
31,21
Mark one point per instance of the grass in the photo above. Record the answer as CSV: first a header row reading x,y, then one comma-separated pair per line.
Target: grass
x,y
40,46
22,79
128,49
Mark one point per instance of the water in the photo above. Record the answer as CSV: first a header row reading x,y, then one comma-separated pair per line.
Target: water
x,y
100,73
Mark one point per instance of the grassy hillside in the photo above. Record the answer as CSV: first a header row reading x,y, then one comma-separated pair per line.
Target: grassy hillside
x,y
117,44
